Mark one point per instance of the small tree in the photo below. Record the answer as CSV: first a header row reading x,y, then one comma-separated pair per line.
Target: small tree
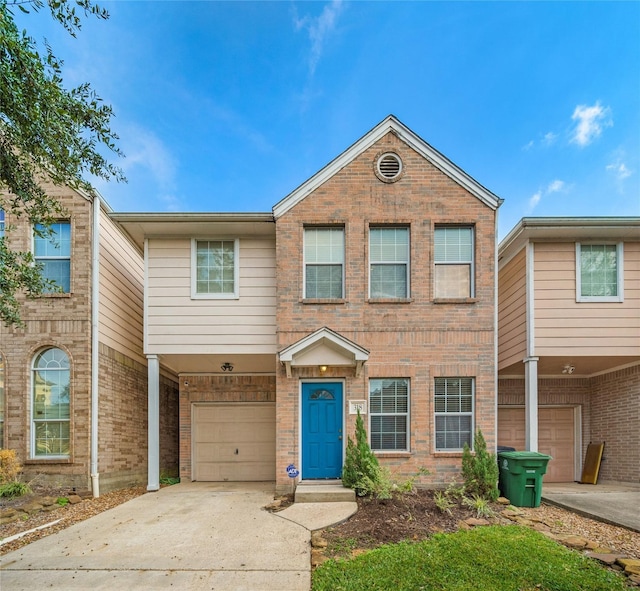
x,y
480,471
361,467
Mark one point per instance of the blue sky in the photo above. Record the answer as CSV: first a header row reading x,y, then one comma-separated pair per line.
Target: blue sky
x,y
229,106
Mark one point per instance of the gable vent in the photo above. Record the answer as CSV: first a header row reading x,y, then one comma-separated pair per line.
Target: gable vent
x,y
389,166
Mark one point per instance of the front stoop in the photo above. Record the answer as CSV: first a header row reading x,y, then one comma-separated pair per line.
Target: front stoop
x,y
329,491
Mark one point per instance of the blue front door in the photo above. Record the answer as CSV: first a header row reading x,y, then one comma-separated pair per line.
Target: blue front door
x,y
321,430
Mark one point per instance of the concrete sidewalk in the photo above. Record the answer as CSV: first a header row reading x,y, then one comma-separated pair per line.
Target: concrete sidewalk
x,y
187,536
617,503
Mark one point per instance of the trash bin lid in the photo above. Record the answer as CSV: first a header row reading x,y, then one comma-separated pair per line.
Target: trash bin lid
x,y
523,455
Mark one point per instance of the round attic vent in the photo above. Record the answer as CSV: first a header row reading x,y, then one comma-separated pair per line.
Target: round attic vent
x,y
389,166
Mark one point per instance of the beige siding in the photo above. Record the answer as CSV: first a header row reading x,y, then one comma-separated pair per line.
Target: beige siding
x,y
584,328
121,292
179,324
512,329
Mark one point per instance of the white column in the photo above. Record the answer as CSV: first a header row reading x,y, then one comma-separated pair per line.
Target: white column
x,y
531,403
153,427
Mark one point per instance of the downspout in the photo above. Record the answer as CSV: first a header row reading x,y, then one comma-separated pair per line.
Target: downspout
x,y
95,303
495,328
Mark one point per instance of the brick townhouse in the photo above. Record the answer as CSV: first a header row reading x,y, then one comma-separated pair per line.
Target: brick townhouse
x,y
372,286
73,378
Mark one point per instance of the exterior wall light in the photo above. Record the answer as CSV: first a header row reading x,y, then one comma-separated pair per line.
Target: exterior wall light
x,y
226,366
323,368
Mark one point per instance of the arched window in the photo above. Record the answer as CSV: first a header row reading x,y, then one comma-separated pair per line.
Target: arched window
x,y
50,404
2,400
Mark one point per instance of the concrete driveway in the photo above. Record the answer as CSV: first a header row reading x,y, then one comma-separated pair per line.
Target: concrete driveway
x,y
187,536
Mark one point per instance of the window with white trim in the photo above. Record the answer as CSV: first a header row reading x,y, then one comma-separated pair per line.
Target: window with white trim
x,y
2,401
388,262
324,263
214,270
50,383
52,250
454,262
389,414
1,223
599,276
454,413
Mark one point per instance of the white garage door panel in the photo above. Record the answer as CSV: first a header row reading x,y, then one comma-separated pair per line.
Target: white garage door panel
x,y
556,432
234,442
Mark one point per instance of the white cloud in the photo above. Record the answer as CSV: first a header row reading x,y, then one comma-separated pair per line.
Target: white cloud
x,y
528,146
620,170
590,121
534,200
549,138
555,186
319,29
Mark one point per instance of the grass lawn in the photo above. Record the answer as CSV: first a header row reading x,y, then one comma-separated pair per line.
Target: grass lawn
x,y
495,558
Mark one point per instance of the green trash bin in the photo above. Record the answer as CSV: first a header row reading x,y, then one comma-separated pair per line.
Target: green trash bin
x,y
521,475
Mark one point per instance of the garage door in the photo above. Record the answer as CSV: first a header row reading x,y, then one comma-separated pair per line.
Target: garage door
x,y
556,434
234,442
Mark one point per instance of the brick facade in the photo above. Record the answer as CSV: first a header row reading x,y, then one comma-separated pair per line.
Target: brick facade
x,y
419,338
64,321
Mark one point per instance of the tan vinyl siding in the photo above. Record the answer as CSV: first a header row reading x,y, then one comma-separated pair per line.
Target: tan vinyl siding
x,y
583,328
121,291
179,324
512,329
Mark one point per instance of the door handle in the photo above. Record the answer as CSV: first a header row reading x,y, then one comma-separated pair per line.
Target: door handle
x,y
340,437
236,452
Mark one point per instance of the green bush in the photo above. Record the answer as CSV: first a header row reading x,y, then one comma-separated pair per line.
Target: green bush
x,y
480,471
14,489
361,470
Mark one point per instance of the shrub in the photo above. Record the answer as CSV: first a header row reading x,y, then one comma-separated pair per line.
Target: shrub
x,y
361,470
480,471
14,489
443,502
479,505
9,466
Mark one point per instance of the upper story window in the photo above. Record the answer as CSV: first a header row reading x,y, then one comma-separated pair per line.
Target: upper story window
x,y
52,250
599,272
389,414
215,269
50,382
453,413
1,223
389,262
324,263
453,256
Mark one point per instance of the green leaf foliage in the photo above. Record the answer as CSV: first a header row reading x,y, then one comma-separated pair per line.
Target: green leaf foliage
x,y
47,132
361,470
480,470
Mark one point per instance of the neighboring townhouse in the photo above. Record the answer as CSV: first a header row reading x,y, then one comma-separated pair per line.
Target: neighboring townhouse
x,y
569,343
370,287
73,379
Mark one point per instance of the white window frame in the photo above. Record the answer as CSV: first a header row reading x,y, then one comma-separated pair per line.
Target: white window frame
x,y
406,262
471,263
453,414
332,263
33,421
41,258
194,271
619,269
407,446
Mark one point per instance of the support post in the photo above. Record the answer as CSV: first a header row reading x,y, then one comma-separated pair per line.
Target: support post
x,y
531,403
153,427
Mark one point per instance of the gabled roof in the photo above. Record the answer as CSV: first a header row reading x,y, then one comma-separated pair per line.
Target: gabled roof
x,y
364,143
323,347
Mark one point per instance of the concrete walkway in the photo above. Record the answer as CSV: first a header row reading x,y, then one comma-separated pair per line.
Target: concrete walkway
x,y
187,536
617,503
